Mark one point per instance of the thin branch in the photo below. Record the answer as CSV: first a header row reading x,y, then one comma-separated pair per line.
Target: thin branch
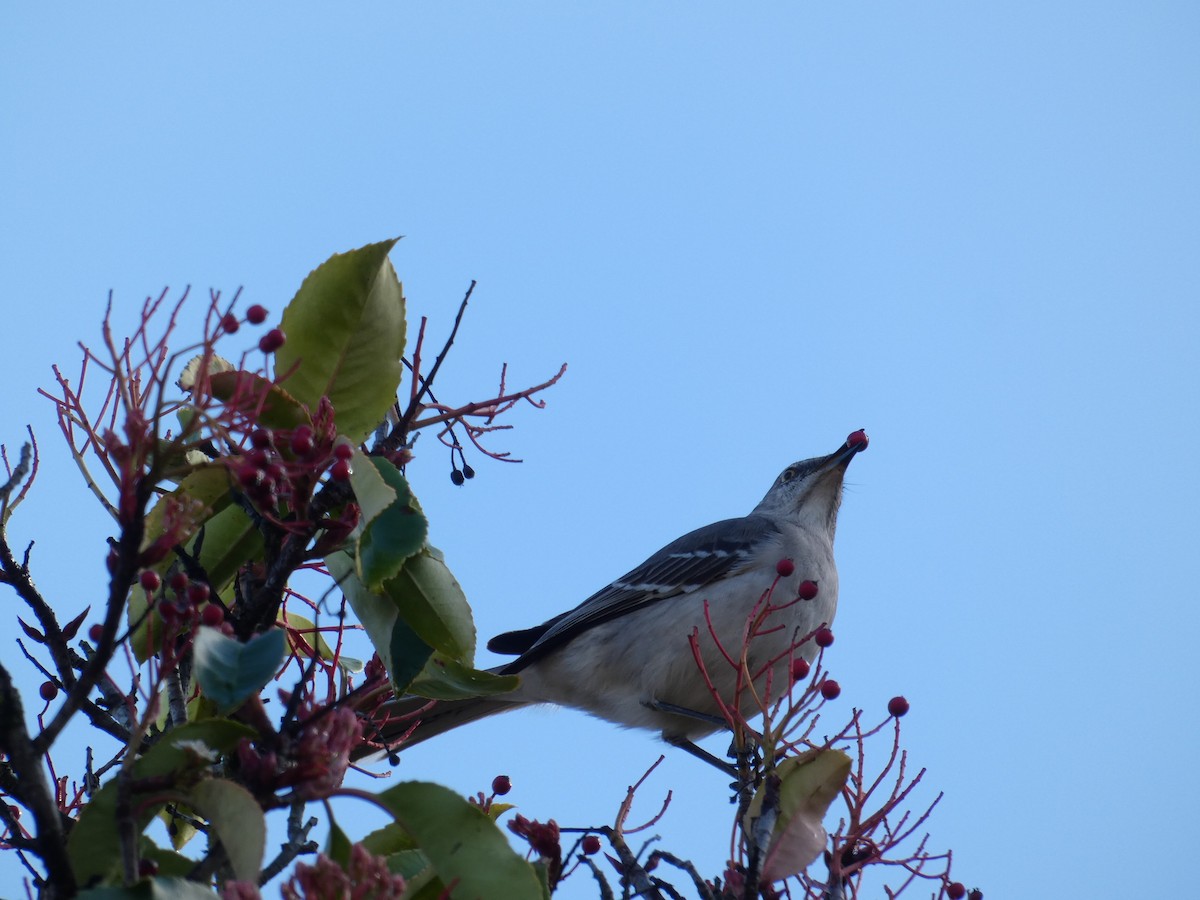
x,y
414,405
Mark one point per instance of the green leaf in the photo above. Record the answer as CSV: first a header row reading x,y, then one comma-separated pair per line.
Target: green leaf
x,y
389,839
230,539
402,652
345,338
466,847
152,889
183,511
230,672
423,884
259,399
409,863
94,844
235,815
170,864
430,599
393,528
339,845
200,493
448,679
409,655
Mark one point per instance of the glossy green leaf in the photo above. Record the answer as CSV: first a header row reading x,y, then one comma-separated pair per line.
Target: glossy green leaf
x,y
345,338
448,679
393,527
464,845
228,671
94,844
238,821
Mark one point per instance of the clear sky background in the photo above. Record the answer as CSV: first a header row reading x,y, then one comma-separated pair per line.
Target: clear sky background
x,y
971,229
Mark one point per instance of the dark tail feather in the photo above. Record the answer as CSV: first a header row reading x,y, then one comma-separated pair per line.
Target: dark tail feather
x,y
442,716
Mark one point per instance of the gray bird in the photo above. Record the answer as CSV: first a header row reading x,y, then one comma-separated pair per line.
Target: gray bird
x,y
623,654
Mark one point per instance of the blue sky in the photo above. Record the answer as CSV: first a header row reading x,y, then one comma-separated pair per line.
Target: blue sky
x,y
968,228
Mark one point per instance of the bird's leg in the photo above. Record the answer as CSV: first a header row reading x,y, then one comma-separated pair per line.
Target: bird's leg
x,y
700,753
746,758
663,706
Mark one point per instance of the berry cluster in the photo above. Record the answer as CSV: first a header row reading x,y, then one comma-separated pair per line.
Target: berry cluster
x,y
283,467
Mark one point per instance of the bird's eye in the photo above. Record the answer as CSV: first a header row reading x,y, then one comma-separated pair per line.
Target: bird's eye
x,y
788,475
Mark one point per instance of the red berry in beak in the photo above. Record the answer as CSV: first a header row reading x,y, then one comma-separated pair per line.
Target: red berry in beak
x,y
858,439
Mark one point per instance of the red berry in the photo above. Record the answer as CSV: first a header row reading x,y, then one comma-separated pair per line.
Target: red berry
x,y
227,629
807,590
830,689
171,610
800,668
230,323
48,690
149,580
858,439
784,568
147,868
179,581
260,438
248,474
897,707
457,477
956,890
340,470
302,441
823,637
591,844
256,314
95,633
501,785
271,341
343,450
468,472
975,894
197,592
212,615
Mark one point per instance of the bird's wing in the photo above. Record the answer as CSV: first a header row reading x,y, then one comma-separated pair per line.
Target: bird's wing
x,y
684,566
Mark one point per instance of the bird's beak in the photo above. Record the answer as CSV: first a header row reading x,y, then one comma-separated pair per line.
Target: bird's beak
x,y
856,442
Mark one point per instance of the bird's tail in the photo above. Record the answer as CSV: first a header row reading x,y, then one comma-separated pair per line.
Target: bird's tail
x,y
431,718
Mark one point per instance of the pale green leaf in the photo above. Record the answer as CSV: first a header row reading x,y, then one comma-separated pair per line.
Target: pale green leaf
x,y
230,672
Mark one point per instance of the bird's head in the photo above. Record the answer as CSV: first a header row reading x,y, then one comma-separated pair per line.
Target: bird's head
x,y
808,493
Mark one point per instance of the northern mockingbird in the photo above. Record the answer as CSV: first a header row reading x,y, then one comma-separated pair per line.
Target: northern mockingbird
x,y
624,653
